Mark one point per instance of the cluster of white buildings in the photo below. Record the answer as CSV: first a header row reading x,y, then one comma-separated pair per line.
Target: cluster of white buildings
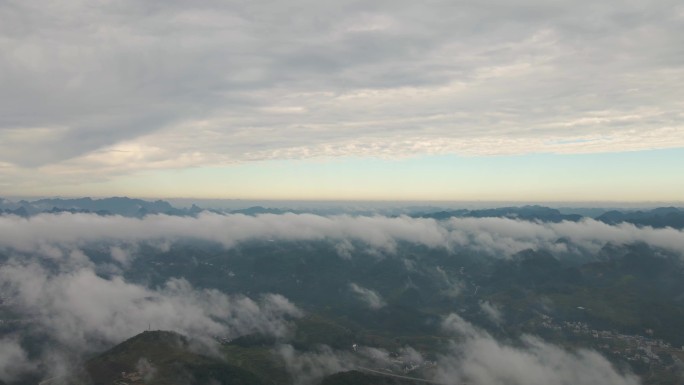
x,y
631,347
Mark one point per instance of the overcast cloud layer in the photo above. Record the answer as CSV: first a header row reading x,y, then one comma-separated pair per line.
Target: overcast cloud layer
x,y
96,89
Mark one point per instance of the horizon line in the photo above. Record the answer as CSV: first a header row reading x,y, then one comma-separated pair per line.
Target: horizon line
x,y
330,200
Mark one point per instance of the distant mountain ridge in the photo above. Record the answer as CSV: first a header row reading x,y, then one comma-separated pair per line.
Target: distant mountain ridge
x,y
527,213
659,217
130,207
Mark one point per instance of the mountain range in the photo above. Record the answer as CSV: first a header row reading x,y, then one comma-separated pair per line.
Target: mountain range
x,y
660,217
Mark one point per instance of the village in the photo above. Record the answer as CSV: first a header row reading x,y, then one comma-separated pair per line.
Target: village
x,y
644,349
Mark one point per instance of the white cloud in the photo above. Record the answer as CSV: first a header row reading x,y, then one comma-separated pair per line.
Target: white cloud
x,y
73,229
479,359
310,367
344,249
453,286
474,357
372,299
491,311
56,236
503,236
120,255
83,311
13,360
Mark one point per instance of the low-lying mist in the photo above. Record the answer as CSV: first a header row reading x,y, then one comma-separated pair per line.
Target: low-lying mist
x,y
58,292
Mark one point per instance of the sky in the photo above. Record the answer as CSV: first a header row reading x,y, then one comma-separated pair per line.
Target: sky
x,y
386,100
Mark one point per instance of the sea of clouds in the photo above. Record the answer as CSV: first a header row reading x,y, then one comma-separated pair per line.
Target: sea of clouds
x,y
53,284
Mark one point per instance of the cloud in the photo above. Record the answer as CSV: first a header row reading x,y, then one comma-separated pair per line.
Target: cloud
x,y
481,360
473,357
116,89
503,236
372,299
83,311
380,232
77,312
120,255
453,287
146,369
310,367
345,249
491,311
59,236
13,359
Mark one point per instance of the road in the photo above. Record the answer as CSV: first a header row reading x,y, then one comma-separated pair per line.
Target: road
x,y
49,380
361,368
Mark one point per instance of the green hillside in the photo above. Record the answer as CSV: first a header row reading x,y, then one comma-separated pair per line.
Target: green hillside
x,y
162,357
